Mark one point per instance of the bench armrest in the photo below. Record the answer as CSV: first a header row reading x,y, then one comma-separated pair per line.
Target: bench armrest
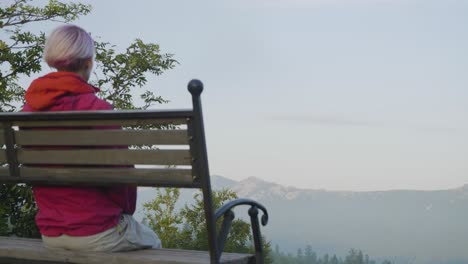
x,y
226,211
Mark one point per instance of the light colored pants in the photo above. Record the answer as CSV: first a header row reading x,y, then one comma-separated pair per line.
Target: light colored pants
x,y
127,235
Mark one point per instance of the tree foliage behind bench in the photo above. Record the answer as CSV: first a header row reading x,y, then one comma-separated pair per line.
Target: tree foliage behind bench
x,y
186,228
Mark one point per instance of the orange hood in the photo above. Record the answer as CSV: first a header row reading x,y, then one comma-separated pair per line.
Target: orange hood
x,y
44,91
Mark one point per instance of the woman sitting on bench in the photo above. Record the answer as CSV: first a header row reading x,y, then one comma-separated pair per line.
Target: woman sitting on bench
x,y
81,218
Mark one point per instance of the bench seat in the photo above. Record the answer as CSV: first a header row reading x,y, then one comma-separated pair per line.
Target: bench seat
x,y
24,250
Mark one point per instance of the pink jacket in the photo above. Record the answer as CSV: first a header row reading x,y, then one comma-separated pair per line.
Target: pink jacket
x,y
74,211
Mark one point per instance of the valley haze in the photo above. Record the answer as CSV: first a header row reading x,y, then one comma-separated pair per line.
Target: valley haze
x,y
404,226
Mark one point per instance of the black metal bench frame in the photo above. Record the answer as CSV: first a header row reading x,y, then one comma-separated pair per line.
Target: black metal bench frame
x,y
17,170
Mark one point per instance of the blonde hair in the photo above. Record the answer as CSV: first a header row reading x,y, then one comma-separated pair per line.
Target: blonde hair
x,y
68,47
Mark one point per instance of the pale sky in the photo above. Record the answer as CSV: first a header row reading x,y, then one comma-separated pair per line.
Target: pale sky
x,y
325,94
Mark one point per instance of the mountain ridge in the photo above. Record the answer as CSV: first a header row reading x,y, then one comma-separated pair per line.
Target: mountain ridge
x,y
419,226
257,179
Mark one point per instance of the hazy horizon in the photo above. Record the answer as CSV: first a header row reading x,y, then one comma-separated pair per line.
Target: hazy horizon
x,y
340,190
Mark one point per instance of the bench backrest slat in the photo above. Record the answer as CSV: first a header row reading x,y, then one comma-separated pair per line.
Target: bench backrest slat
x,y
104,157
122,122
92,176
101,137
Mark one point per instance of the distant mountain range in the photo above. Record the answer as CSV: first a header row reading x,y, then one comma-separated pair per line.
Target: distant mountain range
x,y
404,226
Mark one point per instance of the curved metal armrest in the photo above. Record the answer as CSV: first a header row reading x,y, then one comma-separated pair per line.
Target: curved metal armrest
x,y
230,205
226,211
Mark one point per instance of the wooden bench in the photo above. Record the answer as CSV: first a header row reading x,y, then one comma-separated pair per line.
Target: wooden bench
x,y
171,153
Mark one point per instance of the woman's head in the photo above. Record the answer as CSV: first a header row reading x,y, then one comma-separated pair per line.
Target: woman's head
x,y
70,48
